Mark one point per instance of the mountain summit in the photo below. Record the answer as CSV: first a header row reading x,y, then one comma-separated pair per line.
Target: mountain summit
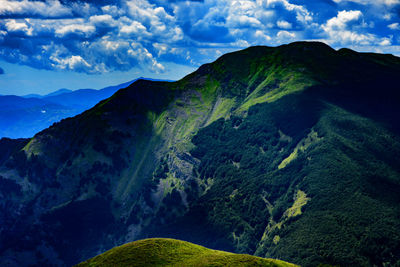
x,y
288,152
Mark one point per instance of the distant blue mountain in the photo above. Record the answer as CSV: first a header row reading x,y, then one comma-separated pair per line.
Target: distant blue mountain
x,y
32,96
83,99
58,92
25,116
12,102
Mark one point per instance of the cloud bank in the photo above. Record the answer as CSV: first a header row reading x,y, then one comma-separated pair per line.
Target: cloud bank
x,y
104,36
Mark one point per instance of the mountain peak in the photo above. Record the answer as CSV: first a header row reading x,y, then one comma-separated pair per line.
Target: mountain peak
x,y
309,45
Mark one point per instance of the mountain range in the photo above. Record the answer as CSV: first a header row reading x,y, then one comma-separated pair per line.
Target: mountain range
x,y
288,152
57,92
23,117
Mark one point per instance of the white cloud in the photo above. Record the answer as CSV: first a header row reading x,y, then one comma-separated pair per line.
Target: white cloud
x,y
177,34
135,28
260,35
75,63
161,48
284,24
112,10
241,43
158,23
370,2
348,27
349,37
341,21
243,21
52,8
385,42
104,20
13,26
2,35
143,55
394,26
302,14
79,29
285,35
240,14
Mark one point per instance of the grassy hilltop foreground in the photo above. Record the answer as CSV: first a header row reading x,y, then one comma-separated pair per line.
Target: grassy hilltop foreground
x,y
171,252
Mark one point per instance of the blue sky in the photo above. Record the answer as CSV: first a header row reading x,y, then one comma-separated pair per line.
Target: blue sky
x,y
52,44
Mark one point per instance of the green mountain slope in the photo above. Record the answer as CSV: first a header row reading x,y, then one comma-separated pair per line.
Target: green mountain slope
x,y
300,190
170,252
288,152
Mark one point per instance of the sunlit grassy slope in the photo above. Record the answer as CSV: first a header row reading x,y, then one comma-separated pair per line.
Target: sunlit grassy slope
x,y
172,252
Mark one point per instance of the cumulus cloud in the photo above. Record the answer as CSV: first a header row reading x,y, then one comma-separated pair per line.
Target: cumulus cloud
x,y
349,28
71,63
103,36
284,24
286,35
105,20
394,26
18,27
369,2
75,29
85,37
136,28
343,19
29,9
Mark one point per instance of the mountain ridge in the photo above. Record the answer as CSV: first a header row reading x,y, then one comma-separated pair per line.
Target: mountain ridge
x,y
57,92
25,116
242,155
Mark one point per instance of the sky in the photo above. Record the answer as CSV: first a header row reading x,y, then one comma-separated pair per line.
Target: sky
x,y
51,44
